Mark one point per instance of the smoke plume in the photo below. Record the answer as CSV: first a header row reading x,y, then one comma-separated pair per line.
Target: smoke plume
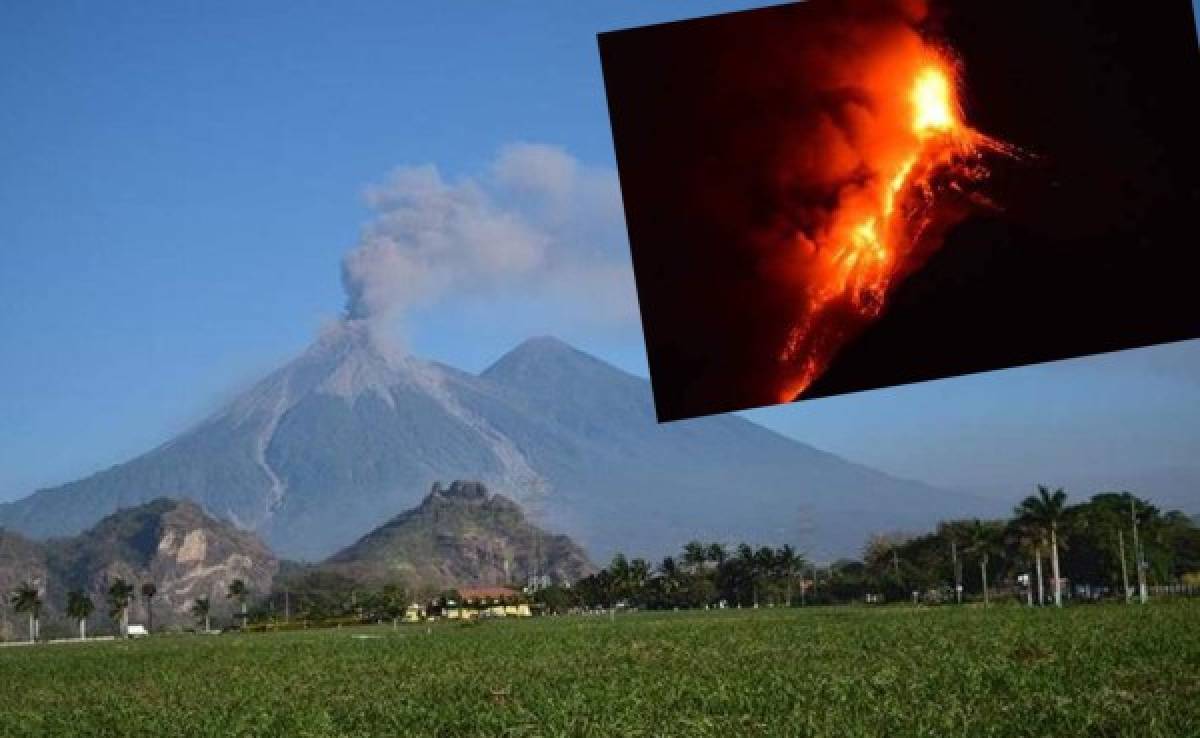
x,y
536,223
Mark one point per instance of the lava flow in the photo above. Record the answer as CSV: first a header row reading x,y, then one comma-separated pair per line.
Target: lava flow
x,y
919,156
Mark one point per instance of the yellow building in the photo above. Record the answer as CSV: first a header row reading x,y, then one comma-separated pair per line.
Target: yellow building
x,y
475,602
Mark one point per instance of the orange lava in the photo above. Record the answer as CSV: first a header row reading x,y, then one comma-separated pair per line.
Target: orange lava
x,y
871,240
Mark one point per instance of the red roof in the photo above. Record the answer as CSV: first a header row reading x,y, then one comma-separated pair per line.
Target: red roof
x,y
487,593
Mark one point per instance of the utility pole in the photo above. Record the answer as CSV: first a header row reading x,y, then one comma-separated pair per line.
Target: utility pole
x,y
1138,560
35,620
1041,582
1124,571
287,606
957,571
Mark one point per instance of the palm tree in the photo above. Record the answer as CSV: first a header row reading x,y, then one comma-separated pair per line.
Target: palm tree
x,y
788,563
1027,539
200,610
27,598
716,553
748,570
619,570
80,607
1045,510
639,572
764,567
148,591
984,541
238,591
120,593
669,571
694,555
669,568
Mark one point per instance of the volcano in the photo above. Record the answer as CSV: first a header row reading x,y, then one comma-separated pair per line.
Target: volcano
x,y
349,434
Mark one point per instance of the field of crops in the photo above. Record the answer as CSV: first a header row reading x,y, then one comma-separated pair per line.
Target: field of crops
x,y
1084,671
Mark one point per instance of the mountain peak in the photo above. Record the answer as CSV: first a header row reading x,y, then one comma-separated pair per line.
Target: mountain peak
x,y
544,343
539,349
461,535
460,490
547,358
349,359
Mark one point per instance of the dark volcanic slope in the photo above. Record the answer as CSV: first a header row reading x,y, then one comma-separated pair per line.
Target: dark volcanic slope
x,y
331,445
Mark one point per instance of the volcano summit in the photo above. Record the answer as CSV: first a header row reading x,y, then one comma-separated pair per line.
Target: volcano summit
x,y
349,433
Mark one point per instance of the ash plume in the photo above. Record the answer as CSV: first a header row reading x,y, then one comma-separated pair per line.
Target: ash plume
x,y
535,223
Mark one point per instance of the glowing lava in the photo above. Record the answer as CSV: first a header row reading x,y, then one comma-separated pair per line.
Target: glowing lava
x,y
872,239
932,103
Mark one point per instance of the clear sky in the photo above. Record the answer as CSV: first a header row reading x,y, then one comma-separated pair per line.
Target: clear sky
x,y
180,182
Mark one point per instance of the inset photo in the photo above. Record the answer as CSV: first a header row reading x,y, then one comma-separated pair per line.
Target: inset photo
x,y
827,197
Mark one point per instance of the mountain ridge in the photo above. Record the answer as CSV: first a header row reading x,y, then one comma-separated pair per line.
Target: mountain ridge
x,y
332,443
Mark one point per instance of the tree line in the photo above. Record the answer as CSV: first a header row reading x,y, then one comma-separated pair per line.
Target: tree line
x,y
28,599
1114,544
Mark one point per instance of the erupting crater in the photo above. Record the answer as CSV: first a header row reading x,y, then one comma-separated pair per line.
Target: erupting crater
x,y
919,163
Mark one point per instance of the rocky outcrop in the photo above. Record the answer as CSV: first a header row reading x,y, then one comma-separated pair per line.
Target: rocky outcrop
x,y
173,544
462,535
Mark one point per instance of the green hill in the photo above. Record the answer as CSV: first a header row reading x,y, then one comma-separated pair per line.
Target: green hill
x,y
461,535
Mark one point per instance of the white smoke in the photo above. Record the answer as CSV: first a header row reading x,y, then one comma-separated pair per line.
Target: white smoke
x,y
535,224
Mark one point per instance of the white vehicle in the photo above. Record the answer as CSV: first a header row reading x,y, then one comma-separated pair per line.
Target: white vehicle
x,y
136,631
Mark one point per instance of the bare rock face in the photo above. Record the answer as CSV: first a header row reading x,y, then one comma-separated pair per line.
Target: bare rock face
x,y
462,535
171,544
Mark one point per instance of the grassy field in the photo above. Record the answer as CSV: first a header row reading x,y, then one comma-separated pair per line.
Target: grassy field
x,y
1085,671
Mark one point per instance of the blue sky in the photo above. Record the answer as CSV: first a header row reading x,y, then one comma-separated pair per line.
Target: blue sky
x,y
181,182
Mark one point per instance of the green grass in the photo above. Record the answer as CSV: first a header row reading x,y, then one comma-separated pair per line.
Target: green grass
x,y
1084,671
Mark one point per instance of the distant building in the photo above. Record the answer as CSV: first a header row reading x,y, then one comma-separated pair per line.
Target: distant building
x,y
539,582
474,602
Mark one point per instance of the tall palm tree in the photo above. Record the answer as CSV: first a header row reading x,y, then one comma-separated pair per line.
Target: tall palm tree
x,y
1045,510
200,610
953,532
120,593
238,591
749,571
717,553
695,554
984,541
788,563
80,607
639,572
668,569
27,598
149,589
1027,539
764,568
